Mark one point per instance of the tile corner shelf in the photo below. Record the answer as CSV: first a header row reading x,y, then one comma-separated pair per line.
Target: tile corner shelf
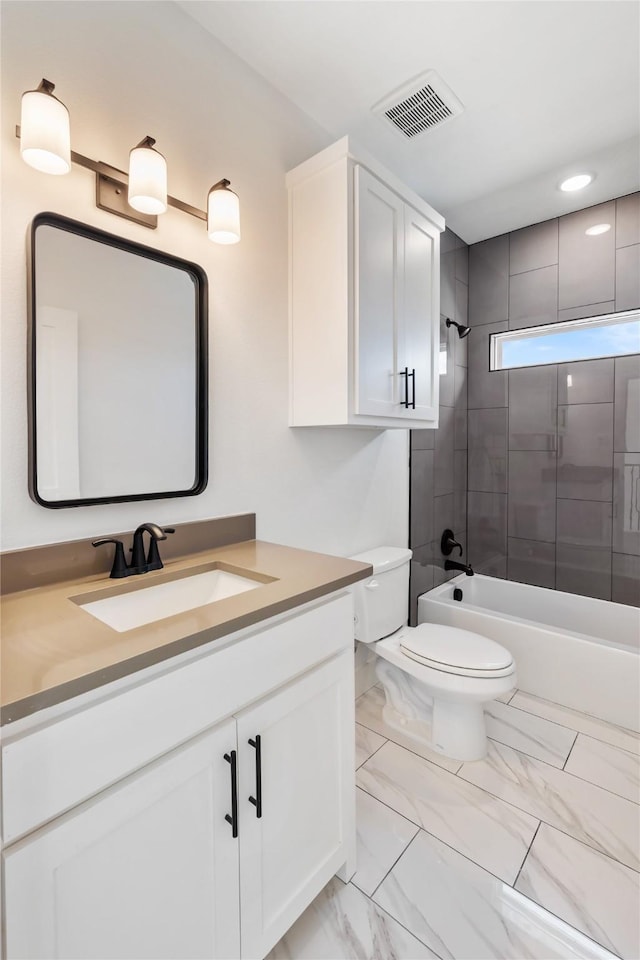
x,y
364,295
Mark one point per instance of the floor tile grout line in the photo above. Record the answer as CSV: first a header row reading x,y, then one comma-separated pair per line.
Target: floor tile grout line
x,y
408,749
395,919
564,765
553,723
531,755
526,855
372,754
422,829
417,833
593,736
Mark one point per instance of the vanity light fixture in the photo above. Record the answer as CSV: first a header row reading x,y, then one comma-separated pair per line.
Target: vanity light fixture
x,y
141,195
597,229
578,182
45,142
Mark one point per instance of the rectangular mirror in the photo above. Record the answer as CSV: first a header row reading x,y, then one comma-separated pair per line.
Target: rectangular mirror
x,y
118,369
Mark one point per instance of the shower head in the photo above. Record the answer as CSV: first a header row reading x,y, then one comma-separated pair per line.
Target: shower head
x,y
460,327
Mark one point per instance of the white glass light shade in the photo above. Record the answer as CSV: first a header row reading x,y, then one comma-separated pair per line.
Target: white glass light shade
x,y
147,180
223,215
45,141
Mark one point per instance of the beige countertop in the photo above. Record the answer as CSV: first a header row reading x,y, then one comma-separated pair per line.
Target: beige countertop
x,y
53,650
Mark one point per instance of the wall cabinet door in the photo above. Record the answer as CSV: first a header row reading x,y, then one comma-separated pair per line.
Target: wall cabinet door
x,y
379,254
298,840
149,868
419,330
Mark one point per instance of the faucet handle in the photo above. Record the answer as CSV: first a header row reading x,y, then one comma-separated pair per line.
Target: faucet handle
x,y
119,568
448,543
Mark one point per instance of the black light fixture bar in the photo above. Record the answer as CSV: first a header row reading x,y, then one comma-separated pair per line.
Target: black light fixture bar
x,y
111,191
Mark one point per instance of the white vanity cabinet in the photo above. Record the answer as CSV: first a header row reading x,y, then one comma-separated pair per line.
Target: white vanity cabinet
x,y
215,847
364,296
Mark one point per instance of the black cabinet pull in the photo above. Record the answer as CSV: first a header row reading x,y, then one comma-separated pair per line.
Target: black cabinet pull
x,y
405,373
413,391
233,819
257,800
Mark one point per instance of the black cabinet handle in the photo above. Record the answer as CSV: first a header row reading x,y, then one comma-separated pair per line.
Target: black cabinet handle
x,y
257,800
233,819
413,392
405,373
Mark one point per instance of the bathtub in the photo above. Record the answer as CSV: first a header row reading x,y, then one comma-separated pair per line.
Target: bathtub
x,y
577,651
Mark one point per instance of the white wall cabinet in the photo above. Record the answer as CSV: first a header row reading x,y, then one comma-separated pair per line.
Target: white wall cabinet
x,y
364,296
212,850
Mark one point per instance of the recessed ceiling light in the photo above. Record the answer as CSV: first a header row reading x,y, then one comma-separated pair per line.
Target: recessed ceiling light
x,y
578,182
597,229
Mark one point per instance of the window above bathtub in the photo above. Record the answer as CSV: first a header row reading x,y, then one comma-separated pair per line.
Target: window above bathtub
x,y
611,335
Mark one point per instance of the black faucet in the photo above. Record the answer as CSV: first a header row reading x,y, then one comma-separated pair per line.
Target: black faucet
x,y
455,565
448,544
139,563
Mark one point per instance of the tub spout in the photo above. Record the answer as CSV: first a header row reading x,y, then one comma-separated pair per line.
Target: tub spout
x,y
456,565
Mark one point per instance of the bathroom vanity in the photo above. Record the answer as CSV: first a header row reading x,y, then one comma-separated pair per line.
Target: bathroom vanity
x,y
184,788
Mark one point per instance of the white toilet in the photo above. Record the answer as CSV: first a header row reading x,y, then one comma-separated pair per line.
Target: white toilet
x,y
436,678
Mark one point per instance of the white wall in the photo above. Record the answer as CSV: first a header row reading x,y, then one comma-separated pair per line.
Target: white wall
x,y
130,69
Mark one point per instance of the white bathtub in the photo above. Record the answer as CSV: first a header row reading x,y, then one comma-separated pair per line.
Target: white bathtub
x,y
576,651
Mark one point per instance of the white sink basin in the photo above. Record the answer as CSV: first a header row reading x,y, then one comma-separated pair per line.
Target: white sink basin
x,y
129,610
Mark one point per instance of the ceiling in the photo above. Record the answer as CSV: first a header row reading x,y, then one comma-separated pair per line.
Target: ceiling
x,y
549,87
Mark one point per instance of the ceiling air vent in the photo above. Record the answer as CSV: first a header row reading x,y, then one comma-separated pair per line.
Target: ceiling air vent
x,y
420,105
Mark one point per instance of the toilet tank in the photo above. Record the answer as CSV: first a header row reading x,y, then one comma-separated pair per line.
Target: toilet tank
x,y
382,601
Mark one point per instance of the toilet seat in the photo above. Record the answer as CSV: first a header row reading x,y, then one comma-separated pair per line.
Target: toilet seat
x,y
455,651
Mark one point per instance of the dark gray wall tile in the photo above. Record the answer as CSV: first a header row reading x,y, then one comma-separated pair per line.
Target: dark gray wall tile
x,y
460,407
532,562
421,579
488,450
444,518
626,503
532,495
423,439
447,345
625,579
533,408
584,523
460,493
587,264
462,316
628,220
533,298
586,310
448,284
628,278
493,567
462,263
626,434
590,381
487,388
443,461
421,527
487,529
583,570
533,247
489,281
585,451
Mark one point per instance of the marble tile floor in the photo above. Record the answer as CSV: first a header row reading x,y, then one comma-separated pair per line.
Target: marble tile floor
x,y
530,854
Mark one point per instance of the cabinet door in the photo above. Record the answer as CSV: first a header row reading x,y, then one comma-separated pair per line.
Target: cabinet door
x,y
149,868
379,241
418,341
305,831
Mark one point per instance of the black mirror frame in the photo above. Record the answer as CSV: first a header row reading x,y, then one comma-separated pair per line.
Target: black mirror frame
x,y
199,278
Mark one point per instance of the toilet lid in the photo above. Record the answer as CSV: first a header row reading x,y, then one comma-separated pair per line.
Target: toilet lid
x,y
455,651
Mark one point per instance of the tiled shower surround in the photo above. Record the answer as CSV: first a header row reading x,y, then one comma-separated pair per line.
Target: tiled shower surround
x,y
554,452
439,457
550,492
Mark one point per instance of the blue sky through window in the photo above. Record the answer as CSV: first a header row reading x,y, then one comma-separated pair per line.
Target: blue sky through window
x,y
584,341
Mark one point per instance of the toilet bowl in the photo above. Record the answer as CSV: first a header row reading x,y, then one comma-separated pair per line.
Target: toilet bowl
x,y
436,678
